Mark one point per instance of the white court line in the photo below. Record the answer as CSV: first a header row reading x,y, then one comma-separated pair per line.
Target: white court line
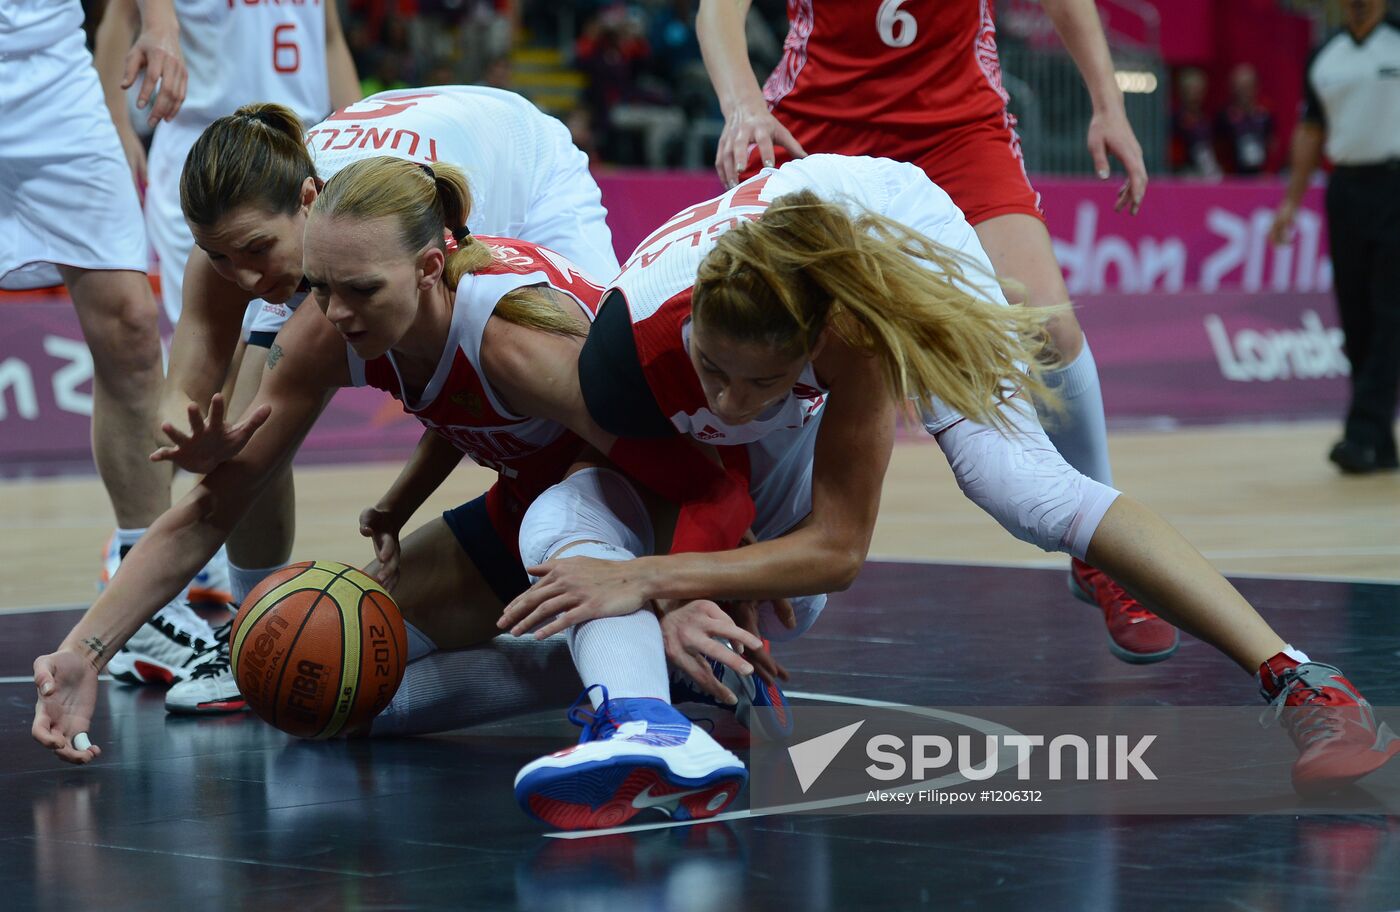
x,y
984,726
29,679
40,609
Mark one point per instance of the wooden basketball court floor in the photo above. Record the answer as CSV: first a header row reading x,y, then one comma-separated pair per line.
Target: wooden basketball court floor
x,y
227,813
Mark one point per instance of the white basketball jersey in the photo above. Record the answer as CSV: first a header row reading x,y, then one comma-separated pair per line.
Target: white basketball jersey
x,y
502,141
242,51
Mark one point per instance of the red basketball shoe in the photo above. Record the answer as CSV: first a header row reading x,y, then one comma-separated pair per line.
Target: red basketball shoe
x,y
1336,733
1134,634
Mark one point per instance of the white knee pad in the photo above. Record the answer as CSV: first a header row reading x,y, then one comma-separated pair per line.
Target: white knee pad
x,y
594,505
1024,483
807,608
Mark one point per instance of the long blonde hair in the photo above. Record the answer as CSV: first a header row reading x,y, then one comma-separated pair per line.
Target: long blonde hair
x,y
882,288
424,200
254,156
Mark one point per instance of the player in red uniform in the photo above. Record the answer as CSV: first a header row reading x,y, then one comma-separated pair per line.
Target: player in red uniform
x,y
920,81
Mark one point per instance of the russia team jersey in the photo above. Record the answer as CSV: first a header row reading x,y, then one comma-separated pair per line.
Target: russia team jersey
x,y
241,51
888,63
501,140
530,454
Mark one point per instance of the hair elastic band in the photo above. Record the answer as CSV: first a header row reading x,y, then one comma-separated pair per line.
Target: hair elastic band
x,y
461,235
428,170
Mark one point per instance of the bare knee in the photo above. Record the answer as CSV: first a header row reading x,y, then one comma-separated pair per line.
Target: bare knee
x,y
122,330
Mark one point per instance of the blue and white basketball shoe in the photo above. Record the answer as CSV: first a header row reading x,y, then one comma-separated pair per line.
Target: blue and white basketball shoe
x,y
634,754
762,706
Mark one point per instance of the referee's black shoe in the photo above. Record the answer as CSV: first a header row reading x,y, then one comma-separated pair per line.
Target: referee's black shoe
x,y
1358,459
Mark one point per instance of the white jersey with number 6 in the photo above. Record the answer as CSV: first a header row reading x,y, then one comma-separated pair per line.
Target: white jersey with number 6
x,y
237,52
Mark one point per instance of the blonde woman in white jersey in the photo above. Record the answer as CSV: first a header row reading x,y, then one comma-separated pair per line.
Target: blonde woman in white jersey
x,y
248,183
69,214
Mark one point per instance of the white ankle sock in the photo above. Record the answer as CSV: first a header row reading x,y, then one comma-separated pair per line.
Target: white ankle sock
x,y
125,538
507,677
1079,432
624,654
242,580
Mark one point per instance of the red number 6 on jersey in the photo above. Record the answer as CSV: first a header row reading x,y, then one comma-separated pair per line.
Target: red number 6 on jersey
x,y
286,56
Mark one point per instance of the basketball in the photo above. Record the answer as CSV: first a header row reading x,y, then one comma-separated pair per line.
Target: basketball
x,y
318,648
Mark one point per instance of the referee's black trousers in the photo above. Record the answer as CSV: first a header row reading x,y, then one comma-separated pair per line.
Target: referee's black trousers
x,y
1363,222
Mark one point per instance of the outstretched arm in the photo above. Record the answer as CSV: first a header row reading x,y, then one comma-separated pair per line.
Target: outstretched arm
x,y
201,354
719,25
1078,25
186,536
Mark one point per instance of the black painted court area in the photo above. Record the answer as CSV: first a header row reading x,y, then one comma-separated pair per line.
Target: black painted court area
x,y
227,813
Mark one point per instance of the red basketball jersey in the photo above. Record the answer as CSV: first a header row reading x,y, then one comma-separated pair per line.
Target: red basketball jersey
x,y
530,454
888,63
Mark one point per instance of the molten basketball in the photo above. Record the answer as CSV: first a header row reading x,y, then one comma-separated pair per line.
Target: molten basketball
x,y
318,648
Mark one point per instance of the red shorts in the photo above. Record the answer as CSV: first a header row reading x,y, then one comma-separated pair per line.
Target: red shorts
x,y
979,164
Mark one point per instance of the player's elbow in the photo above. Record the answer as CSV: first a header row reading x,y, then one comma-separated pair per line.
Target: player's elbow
x,y
842,567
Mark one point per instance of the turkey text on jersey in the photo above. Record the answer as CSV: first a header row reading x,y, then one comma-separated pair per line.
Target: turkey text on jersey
x,y
343,129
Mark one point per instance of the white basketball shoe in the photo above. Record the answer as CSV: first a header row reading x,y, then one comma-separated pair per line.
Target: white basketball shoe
x,y
634,754
166,648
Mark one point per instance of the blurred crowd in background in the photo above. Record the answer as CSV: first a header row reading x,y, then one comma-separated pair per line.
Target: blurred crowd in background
x,y
1237,137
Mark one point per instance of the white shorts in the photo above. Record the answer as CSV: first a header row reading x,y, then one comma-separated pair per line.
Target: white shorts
x,y
165,221
66,193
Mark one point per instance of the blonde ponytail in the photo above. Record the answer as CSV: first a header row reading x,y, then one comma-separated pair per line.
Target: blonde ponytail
x,y
424,200
882,288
